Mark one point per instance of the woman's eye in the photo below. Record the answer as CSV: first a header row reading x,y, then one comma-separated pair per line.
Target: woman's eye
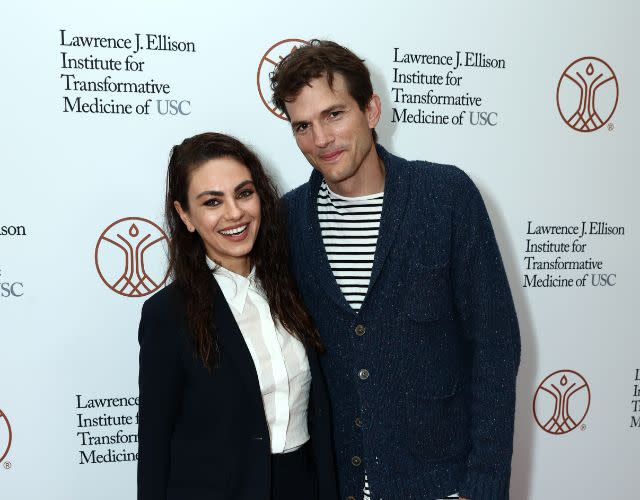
x,y
245,194
212,202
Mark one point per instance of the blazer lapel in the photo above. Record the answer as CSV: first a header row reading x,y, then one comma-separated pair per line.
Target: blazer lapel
x,y
231,338
396,188
314,246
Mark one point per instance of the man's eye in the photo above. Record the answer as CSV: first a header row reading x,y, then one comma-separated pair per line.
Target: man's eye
x,y
335,114
301,128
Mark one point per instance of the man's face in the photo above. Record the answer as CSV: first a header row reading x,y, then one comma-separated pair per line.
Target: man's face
x,y
333,133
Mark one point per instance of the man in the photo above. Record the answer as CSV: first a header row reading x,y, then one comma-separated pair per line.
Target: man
x,y
399,266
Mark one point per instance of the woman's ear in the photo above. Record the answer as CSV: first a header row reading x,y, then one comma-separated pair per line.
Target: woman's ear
x,y
184,216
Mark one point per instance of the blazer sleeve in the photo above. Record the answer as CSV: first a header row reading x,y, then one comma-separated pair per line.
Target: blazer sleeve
x,y
487,314
160,385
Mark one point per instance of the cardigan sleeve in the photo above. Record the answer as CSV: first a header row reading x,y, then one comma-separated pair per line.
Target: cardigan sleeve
x,y
487,314
160,384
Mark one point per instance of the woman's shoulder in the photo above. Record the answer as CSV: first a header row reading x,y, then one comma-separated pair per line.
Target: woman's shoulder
x,y
164,303
162,319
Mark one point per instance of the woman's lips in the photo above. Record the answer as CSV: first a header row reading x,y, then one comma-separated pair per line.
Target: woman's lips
x,y
236,236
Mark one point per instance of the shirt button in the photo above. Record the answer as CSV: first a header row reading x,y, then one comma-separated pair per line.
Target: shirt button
x,y
356,461
360,329
358,422
363,374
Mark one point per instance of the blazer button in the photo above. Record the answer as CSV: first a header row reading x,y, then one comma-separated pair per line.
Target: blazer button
x,y
360,329
351,497
358,422
363,374
356,461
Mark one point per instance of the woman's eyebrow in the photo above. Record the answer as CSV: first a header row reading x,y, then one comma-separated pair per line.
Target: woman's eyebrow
x,y
243,184
210,193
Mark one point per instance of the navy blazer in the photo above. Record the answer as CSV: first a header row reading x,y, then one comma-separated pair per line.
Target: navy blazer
x,y
204,435
437,333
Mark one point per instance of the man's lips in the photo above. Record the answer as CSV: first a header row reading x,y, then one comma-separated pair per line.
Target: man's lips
x,y
332,156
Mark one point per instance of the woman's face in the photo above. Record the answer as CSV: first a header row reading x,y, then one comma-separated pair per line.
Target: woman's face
x,y
224,208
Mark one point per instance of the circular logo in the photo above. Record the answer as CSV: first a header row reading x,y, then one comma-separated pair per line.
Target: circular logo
x,y
269,61
561,402
587,94
130,257
5,436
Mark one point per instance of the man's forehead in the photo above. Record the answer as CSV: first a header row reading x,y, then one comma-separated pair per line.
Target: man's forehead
x,y
318,92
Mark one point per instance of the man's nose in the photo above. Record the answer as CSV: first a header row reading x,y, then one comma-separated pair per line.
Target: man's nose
x,y
322,136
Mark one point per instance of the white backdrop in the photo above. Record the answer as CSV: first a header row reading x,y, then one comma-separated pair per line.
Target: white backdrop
x,y
68,321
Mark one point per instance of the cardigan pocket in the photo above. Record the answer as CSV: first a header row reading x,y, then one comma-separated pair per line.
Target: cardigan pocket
x,y
437,427
431,346
433,367
428,296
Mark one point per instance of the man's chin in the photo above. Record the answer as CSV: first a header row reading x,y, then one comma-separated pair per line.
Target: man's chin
x,y
334,180
333,173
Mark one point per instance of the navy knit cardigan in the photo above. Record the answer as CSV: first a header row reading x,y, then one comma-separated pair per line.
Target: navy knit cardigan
x,y
422,378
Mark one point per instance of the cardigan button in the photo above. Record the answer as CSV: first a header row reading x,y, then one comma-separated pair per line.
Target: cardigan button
x,y
356,461
358,422
360,329
363,374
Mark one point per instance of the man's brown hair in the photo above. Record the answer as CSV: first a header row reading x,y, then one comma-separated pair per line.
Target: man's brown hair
x,y
316,59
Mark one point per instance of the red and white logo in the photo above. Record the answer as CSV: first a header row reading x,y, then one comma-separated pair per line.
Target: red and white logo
x,y
561,402
130,257
587,94
269,61
5,436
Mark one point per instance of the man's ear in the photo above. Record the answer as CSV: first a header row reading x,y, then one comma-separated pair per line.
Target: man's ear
x,y
373,110
184,216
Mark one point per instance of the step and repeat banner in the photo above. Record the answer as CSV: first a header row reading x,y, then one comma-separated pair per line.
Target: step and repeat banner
x,y
537,103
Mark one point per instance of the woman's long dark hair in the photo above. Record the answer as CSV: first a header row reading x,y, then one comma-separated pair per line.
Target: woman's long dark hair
x,y
187,263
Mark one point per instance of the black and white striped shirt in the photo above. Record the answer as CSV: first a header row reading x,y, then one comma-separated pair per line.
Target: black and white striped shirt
x,y
350,229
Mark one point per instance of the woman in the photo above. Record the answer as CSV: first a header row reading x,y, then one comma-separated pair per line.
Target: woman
x,y
232,402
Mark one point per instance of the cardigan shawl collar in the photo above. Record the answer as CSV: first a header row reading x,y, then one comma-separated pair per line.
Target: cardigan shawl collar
x,y
393,209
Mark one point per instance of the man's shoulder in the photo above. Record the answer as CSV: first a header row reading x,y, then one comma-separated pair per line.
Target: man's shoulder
x,y
428,173
296,194
437,177
442,186
443,171
294,200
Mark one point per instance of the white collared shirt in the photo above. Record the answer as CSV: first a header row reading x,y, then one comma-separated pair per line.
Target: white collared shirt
x,y
280,359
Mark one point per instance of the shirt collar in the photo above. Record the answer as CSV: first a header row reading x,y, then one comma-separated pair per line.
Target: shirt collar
x,y
235,287
336,196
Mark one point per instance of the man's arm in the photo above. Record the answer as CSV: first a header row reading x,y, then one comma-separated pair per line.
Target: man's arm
x,y
486,311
